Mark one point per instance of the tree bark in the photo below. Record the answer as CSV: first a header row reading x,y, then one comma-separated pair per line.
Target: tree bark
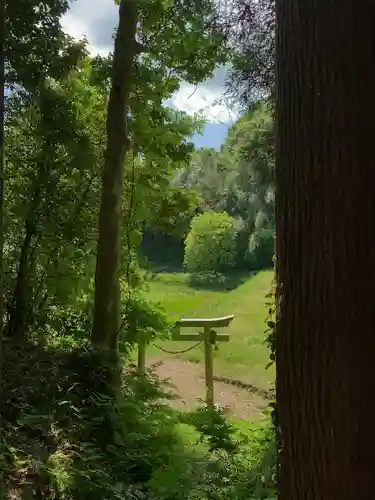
x,y
107,310
20,306
2,159
325,209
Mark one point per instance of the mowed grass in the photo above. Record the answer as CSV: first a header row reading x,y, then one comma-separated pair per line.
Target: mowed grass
x,y
246,355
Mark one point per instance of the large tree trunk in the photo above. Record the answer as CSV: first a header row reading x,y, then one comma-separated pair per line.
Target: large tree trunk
x,y
325,178
107,310
2,159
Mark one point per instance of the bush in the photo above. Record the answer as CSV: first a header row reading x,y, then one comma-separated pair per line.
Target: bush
x,y
229,462
213,426
142,318
211,243
261,249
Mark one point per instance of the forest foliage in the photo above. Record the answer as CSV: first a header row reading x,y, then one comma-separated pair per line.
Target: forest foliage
x,y
237,180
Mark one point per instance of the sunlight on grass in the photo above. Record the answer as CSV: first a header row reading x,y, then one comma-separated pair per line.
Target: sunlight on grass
x,y
246,355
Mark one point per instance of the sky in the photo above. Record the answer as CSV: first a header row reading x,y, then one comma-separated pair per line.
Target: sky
x,y
96,20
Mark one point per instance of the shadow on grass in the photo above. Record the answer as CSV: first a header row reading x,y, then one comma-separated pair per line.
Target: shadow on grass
x,y
165,268
206,280
218,281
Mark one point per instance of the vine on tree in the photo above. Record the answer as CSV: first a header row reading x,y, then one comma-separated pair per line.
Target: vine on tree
x,y
271,303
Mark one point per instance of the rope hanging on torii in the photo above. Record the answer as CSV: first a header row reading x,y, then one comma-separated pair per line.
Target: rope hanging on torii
x,y
208,336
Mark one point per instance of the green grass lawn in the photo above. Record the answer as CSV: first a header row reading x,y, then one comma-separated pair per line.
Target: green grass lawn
x,y
246,355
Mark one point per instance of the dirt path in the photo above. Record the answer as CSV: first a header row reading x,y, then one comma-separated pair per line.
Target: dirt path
x,y
188,385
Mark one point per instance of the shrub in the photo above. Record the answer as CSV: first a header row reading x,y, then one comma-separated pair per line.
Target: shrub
x,y
211,243
261,249
141,318
225,462
213,426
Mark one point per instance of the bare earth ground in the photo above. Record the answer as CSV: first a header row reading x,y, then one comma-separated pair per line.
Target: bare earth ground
x,y
188,385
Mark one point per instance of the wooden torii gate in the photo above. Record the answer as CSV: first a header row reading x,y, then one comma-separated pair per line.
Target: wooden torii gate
x,y
208,335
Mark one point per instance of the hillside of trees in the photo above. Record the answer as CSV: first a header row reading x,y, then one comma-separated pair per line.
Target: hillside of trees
x,y
237,180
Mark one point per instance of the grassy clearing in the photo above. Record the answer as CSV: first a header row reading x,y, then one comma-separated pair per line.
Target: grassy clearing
x,y
246,355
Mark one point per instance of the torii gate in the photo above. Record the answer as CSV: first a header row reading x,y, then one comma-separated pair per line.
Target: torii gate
x,y
209,336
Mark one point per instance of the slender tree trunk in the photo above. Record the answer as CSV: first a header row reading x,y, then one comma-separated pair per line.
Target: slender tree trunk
x,y
20,304
325,176
107,312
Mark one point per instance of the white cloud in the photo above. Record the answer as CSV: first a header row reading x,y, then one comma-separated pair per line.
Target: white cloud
x,y
96,21
76,29
206,100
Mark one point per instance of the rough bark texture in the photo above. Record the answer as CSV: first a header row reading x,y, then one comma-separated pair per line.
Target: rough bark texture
x,y
325,248
107,286
2,156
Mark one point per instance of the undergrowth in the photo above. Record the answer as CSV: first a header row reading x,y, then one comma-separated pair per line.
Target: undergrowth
x,y
67,435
